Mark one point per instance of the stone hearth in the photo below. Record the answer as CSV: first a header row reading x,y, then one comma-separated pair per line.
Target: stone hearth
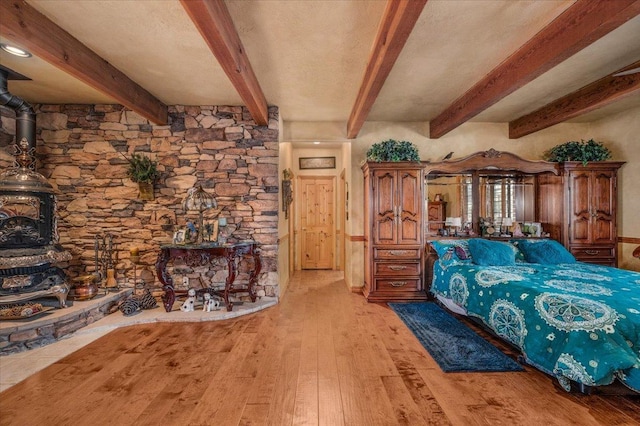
x,y
22,335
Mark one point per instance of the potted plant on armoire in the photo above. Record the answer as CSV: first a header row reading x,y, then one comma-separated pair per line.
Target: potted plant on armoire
x,y
394,210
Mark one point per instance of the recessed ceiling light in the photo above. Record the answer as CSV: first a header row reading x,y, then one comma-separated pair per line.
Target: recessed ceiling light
x,y
15,50
316,143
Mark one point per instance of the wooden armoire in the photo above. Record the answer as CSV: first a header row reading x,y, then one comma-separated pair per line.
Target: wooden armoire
x,y
590,206
394,231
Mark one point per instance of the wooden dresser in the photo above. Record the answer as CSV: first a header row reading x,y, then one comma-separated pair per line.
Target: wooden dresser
x,y
394,231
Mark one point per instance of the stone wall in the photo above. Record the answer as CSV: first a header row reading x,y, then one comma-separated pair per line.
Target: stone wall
x,y
80,150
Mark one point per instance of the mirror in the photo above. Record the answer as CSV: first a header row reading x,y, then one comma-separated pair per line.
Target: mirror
x,y
510,196
500,196
449,195
481,193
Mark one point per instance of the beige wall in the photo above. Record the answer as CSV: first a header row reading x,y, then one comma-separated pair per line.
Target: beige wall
x,y
284,234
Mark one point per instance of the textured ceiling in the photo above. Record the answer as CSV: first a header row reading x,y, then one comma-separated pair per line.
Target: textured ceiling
x,y
310,56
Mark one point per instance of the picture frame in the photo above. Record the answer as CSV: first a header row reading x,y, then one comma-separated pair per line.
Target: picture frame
x,y
211,230
179,237
317,163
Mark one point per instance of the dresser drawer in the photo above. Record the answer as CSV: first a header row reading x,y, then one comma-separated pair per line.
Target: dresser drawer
x,y
396,268
605,261
413,253
593,252
398,284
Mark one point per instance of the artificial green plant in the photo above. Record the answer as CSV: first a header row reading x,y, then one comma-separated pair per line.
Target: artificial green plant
x,y
142,169
392,150
583,151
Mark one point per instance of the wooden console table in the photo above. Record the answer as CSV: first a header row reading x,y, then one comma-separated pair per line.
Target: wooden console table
x,y
200,255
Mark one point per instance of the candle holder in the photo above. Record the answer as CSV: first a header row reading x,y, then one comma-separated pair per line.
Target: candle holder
x,y
135,259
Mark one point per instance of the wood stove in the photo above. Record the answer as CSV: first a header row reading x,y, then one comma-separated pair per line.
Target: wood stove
x,y
29,246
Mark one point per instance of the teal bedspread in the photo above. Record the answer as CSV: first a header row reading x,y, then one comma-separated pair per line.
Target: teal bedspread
x,y
577,321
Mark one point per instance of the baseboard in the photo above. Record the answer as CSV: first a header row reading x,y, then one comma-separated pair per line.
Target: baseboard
x,y
357,290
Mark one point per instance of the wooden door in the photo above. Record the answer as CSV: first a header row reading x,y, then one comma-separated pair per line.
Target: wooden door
x,y
316,222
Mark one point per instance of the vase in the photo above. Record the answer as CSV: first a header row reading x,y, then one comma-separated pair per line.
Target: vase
x,y
111,279
146,190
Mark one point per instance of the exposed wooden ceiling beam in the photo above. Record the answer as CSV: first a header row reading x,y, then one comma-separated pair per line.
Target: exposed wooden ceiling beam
x,y
397,23
593,96
214,22
35,32
577,27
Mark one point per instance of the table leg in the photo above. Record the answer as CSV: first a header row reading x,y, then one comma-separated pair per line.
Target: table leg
x,y
233,270
253,277
169,296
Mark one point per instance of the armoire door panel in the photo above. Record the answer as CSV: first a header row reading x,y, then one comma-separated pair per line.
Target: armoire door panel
x,y
580,220
603,214
410,207
603,193
384,226
580,194
580,230
603,230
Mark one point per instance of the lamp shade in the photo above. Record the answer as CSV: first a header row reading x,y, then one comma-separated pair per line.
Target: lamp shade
x,y
454,221
199,200
507,221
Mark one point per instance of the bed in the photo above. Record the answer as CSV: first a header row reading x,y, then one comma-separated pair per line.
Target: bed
x,y
576,321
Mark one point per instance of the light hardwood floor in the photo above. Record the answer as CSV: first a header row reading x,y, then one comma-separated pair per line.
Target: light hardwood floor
x,y
323,356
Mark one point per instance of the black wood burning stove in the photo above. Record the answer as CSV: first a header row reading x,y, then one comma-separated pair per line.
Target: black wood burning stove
x,y
29,246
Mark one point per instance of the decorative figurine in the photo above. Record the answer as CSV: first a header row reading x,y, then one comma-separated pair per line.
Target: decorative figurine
x,y
210,304
146,299
517,230
129,307
189,304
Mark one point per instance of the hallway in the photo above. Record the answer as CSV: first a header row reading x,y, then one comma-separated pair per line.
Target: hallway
x,y
323,356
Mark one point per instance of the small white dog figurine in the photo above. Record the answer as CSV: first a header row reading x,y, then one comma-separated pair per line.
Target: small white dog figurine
x,y
188,304
210,304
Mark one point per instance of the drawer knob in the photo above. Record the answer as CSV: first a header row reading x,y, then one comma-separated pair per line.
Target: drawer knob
x,y
397,268
398,283
592,252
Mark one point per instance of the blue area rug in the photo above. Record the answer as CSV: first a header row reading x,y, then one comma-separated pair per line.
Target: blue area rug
x,y
454,346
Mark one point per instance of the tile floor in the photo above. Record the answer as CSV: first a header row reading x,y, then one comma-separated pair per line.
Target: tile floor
x,y
17,367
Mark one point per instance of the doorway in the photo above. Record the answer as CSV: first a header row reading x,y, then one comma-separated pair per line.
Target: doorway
x,y
317,224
